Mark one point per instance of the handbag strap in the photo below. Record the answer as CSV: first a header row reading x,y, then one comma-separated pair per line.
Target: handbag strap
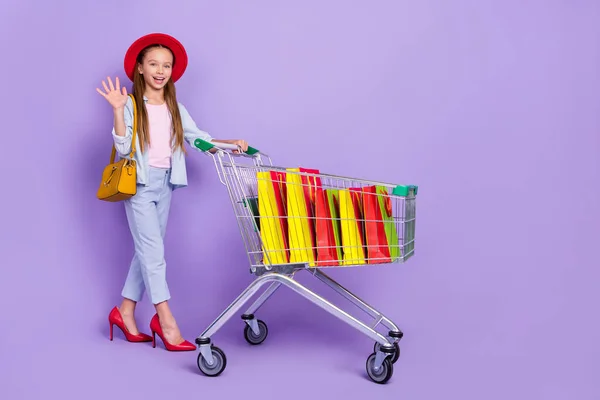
x,y
114,150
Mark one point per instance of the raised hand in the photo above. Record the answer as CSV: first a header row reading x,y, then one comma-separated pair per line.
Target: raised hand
x,y
116,96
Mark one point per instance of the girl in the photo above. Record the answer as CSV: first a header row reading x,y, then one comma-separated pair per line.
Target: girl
x,y
154,63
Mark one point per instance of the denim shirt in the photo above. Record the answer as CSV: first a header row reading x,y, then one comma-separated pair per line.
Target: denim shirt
x,y
178,168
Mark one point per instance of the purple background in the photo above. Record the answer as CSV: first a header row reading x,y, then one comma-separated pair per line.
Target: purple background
x,y
491,107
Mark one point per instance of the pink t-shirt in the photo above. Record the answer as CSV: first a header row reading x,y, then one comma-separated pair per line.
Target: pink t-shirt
x,y
159,123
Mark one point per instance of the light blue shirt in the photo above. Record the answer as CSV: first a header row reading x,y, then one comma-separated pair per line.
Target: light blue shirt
x,y
178,167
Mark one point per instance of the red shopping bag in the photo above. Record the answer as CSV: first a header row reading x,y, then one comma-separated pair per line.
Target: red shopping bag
x,y
380,231
272,197
329,252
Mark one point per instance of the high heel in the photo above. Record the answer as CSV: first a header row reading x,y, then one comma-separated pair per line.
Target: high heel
x,y
157,330
115,318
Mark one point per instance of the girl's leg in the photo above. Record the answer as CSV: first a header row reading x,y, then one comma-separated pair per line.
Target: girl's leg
x,y
134,287
147,214
127,310
132,293
166,318
143,219
147,269
168,323
138,208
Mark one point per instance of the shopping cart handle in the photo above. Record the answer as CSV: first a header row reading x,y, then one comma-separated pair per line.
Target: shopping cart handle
x,y
207,146
405,190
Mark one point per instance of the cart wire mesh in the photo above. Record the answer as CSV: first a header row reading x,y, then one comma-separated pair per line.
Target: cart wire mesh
x,y
290,216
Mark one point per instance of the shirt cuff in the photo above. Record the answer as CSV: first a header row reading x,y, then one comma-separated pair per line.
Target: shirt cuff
x,y
119,139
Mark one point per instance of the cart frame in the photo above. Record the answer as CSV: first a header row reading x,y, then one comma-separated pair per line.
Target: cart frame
x,y
232,172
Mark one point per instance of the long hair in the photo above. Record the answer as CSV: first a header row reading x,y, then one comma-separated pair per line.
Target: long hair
x,y
139,86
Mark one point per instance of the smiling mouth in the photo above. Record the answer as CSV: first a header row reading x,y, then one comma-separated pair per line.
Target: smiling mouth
x,y
158,80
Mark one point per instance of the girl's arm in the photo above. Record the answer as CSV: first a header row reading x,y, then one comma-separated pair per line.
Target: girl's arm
x,y
191,132
122,131
119,121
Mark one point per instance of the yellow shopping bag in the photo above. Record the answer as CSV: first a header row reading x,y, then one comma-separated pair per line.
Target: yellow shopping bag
x,y
301,194
273,224
352,227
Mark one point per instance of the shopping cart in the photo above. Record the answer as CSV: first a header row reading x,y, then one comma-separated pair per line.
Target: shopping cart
x,y
293,219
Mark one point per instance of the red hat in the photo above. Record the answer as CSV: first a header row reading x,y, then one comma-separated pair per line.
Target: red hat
x,y
173,44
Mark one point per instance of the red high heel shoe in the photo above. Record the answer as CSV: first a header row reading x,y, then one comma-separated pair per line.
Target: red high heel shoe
x,y
115,318
157,330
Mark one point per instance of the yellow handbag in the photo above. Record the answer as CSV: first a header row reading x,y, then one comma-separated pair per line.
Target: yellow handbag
x,y
119,179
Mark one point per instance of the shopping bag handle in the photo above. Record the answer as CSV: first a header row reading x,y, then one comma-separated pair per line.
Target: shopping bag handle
x,y
207,146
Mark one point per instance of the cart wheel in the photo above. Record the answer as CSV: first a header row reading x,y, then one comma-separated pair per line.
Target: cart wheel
x,y
395,355
385,371
219,362
253,338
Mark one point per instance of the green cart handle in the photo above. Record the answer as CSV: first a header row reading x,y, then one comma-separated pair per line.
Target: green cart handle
x,y
405,190
207,146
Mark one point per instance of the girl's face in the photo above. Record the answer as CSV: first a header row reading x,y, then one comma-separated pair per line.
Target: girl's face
x,y
157,67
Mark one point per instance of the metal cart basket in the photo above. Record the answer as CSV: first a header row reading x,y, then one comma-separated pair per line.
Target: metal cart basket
x,y
296,219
